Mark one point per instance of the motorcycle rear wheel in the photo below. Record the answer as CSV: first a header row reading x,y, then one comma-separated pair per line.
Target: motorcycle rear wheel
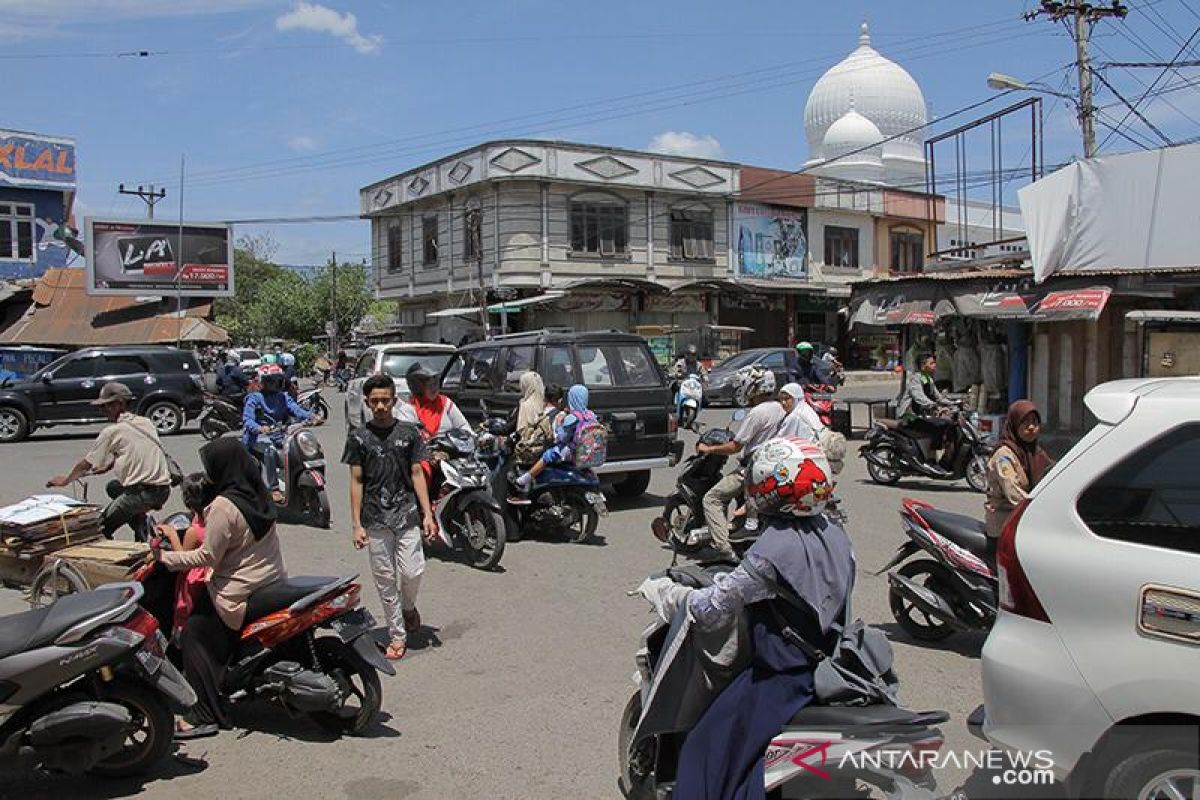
x,y
484,551
915,622
885,476
357,679
150,740
586,522
634,784
977,473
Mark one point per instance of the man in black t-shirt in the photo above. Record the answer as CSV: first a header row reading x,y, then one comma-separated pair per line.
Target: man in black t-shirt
x,y
389,507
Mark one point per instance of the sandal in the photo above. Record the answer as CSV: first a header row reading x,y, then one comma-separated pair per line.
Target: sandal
x,y
395,651
184,730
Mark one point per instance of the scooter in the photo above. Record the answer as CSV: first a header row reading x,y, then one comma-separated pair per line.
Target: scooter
x,y
809,757
87,687
689,396
893,451
301,473
682,524
282,655
820,398
310,400
562,500
955,589
469,517
220,415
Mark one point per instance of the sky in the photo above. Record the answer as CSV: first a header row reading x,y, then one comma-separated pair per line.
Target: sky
x,y
286,108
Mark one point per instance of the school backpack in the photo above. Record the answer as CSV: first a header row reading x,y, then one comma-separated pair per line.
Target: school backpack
x,y
590,442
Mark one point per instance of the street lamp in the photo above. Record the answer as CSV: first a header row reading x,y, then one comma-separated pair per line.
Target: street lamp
x,y
1085,110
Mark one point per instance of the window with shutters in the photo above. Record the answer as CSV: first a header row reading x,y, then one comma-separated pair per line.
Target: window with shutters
x,y
908,251
692,235
841,247
599,228
395,247
429,236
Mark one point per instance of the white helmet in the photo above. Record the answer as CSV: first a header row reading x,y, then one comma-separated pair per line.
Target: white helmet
x,y
287,359
753,381
789,476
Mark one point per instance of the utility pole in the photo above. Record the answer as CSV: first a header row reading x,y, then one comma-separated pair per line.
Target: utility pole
x,y
333,329
474,228
149,196
1083,14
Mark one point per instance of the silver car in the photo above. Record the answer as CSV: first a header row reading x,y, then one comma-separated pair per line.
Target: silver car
x,y
394,360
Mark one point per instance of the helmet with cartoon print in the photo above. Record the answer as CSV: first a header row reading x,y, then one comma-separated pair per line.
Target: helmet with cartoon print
x,y
753,381
789,476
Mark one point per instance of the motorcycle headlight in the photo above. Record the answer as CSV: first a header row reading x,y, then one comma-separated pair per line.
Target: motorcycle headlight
x,y
309,445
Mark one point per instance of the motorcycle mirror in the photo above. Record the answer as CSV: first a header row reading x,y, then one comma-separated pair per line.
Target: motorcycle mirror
x,y
739,415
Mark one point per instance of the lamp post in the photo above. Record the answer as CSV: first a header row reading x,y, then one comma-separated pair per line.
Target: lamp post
x,y
1004,83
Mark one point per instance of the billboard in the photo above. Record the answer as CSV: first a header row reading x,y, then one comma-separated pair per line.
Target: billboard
x,y
772,242
33,161
153,258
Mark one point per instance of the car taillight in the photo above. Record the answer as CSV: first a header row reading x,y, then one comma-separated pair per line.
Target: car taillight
x,y
1016,593
672,425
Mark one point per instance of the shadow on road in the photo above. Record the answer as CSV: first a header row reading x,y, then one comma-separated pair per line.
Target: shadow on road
x,y
965,643
271,720
178,765
918,485
647,500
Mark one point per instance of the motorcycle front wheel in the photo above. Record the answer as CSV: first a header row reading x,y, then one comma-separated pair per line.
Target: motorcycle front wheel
x,y
316,506
150,737
211,428
362,694
637,772
483,536
977,473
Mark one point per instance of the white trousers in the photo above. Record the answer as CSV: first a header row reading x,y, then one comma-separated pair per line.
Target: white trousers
x,y
397,562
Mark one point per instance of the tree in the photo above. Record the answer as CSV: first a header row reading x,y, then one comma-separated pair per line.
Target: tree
x,y
354,294
252,268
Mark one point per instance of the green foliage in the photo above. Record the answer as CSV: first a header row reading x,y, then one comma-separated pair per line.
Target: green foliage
x,y
306,356
274,302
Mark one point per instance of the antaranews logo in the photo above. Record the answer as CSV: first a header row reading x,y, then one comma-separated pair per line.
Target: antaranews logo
x,y
1007,769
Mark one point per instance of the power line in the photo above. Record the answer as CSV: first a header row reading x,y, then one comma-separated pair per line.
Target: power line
x,y
1160,76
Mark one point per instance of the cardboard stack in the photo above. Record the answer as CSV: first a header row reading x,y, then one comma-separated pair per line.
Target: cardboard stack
x,y
46,523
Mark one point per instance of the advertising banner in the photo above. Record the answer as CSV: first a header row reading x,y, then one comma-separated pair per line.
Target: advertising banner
x,y
152,258
32,161
772,242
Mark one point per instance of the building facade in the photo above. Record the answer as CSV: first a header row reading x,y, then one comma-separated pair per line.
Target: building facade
x,y
37,191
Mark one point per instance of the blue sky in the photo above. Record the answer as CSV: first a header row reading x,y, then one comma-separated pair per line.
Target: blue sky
x,y
287,108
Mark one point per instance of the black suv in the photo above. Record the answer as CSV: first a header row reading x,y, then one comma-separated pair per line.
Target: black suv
x,y
628,391
167,385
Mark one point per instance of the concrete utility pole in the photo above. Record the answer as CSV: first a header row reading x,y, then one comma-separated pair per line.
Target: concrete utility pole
x,y
1083,15
149,197
333,324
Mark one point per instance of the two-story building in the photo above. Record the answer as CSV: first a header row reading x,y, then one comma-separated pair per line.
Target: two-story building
x,y
37,191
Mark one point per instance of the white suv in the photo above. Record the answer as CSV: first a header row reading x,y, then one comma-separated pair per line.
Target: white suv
x,y
1095,656
394,360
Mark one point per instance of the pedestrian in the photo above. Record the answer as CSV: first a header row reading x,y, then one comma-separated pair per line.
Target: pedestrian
x,y
129,446
1016,466
389,507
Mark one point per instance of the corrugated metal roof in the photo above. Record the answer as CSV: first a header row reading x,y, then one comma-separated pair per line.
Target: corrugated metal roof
x,y
64,314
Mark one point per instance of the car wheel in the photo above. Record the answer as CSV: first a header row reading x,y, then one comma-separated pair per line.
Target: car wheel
x,y
166,416
633,485
1163,768
14,425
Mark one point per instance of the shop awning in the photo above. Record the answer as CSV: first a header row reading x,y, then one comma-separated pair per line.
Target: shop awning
x,y
618,285
509,306
459,311
895,303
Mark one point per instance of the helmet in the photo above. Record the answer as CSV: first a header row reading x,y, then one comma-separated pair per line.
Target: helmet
x,y
287,360
691,352
789,476
753,381
270,358
418,376
274,381
269,369
804,347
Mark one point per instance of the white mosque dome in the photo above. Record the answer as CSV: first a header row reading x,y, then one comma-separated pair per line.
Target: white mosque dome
x,y
855,142
880,93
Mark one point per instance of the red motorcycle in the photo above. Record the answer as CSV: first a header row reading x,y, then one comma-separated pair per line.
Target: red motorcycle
x,y
820,398
282,658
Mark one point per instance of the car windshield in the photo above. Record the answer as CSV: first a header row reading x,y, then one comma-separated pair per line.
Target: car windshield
x,y
737,361
396,364
249,355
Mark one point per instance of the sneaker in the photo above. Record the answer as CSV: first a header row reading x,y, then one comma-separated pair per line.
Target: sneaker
x,y
523,482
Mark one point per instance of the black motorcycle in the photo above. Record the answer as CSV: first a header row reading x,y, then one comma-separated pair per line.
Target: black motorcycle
x,y
894,451
682,523
221,415
87,686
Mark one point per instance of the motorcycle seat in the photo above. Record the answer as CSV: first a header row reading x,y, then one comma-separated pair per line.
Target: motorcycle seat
x,y
281,594
814,716
964,531
41,626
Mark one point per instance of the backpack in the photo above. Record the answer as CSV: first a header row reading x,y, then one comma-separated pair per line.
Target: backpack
x,y
591,441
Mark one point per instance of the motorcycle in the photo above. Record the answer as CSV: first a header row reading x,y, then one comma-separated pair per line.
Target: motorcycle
x,y
221,415
953,590
282,655
311,400
893,451
87,687
301,474
689,395
808,758
562,501
820,398
682,524
469,517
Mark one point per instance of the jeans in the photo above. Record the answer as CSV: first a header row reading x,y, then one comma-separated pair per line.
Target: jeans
x,y
268,453
716,508
130,505
397,562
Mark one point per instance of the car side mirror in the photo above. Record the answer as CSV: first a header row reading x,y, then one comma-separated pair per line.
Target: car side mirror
x,y
47,377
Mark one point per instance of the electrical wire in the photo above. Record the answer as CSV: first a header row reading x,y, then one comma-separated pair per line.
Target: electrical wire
x,y
1150,88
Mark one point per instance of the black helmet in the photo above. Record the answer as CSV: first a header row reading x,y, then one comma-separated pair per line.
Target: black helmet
x,y
418,373
691,352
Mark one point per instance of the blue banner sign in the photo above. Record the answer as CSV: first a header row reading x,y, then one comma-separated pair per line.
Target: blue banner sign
x,y
35,161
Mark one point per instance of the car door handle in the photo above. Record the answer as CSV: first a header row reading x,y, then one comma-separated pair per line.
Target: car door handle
x,y
1170,613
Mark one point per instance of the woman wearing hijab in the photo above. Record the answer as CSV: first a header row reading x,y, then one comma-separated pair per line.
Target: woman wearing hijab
x,y
1016,466
535,424
563,449
801,419
242,548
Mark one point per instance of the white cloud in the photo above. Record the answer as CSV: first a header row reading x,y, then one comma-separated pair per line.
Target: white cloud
x,y
683,143
302,144
321,19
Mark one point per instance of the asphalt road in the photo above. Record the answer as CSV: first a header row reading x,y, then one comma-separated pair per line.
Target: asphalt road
x,y
517,688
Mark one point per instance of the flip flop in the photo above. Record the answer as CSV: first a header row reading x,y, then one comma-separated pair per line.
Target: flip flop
x,y
196,731
395,651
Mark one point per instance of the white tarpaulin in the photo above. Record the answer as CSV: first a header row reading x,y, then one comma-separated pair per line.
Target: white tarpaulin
x,y
1127,212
